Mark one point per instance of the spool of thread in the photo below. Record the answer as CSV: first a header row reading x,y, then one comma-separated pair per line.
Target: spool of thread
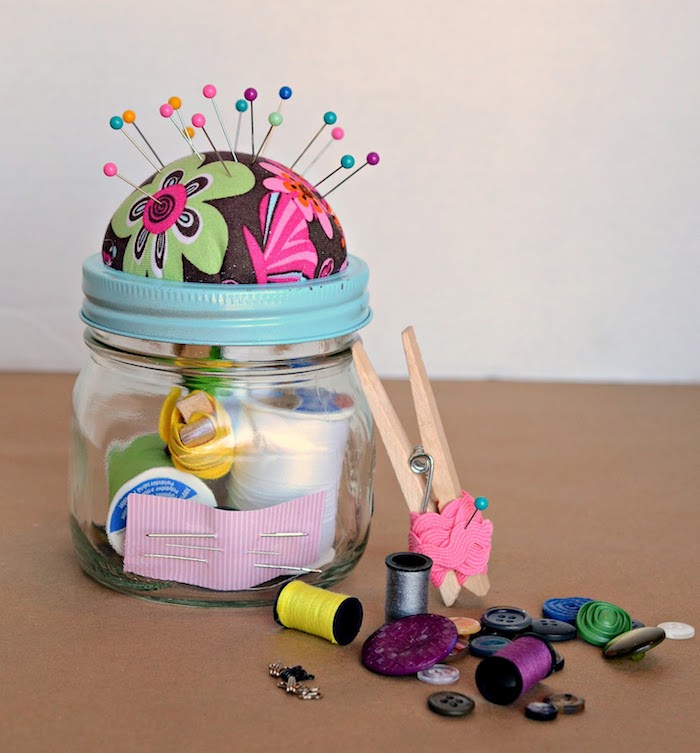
x,y
332,616
515,669
407,581
142,466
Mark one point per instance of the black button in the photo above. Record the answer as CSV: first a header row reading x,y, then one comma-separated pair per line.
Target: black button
x,y
553,630
567,703
558,662
633,643
542,712
487,645
506,620
450,704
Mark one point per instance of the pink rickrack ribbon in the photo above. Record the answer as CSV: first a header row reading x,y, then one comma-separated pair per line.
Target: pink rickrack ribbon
x,y
443,537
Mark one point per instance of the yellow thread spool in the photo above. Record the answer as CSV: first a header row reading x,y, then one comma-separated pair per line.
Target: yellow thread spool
x,y
332,616
209,460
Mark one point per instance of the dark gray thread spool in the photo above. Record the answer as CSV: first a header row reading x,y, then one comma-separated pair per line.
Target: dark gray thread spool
x,y
407,580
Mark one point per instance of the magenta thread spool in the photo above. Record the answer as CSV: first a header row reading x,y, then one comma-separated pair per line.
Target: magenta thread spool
x,y
512,671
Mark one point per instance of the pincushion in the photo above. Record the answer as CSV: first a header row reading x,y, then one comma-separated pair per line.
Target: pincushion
x,y
262,224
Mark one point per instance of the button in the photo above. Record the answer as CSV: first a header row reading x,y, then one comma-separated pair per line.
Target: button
x,y
542,712
487,645
439,674
567,703
553,630
677,631
634,643
466,625
451,704
460,649
408,645
564,609
506,620
637,624
558,662
599,621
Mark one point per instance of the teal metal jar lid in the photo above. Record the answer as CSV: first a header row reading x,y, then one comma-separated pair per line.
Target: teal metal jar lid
x,y
210,314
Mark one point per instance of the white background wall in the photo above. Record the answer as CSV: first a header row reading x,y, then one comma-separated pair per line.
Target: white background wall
x,y
535,213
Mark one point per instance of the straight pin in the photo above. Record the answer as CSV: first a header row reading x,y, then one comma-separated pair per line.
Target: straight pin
x,y
110,170
176,557
480,503
292,568
198,121
251,95
129,116
336,135
329,118
176,104
117,124
262,551
372,159
283,534
274,119
167,111
209,91
346,161
181,535
241,107
192,546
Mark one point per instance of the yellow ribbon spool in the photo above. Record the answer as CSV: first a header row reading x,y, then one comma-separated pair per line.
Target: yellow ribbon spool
x,y
209,460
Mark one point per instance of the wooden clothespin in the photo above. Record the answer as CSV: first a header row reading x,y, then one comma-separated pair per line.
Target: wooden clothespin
x,y
445,486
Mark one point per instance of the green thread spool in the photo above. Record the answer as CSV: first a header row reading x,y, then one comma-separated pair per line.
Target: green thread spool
x,y
598,622
332,616
127,460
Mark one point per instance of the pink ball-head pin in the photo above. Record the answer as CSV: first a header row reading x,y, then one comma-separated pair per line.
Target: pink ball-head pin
x,y
166,110
198,120
337,133
209,91
110,169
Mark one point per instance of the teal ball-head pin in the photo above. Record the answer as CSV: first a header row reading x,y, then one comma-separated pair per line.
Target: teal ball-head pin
x,y
480,503
347,161
116,123
330,117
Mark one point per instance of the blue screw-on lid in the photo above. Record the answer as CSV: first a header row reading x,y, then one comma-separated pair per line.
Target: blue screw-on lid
x,y
209,314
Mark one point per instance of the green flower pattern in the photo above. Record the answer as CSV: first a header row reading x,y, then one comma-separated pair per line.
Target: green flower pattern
x,y
163,229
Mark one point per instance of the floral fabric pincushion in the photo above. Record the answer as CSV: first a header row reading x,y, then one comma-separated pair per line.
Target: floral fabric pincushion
x,y
262,224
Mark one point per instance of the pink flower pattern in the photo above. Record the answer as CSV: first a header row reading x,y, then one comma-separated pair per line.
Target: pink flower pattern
x,y
287,253
304,195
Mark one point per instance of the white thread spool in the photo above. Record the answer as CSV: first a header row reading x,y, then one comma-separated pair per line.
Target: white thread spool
x,y
287,452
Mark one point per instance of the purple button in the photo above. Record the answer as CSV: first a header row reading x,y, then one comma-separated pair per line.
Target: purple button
x,y
409,645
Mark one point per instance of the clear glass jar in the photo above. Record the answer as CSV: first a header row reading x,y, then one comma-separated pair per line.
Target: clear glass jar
x,y
282,488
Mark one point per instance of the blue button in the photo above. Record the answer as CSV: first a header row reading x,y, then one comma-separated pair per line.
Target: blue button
x,y
564,609
487,645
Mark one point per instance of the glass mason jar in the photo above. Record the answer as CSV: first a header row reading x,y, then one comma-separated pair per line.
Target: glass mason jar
x,y
221,442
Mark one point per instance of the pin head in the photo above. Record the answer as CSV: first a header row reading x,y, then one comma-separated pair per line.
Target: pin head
x,y
209,91
285,92
275,118
116,122
110,169
129,116
372,158
347,161
198,120
189,131
337,133
175,103
330,117
241,105
250,94
166,110
481,503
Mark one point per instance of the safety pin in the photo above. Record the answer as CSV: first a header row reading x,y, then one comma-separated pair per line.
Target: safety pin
x,y
422,463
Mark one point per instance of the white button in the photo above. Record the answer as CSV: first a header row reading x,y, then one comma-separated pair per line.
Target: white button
x,y
677,630
439,674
